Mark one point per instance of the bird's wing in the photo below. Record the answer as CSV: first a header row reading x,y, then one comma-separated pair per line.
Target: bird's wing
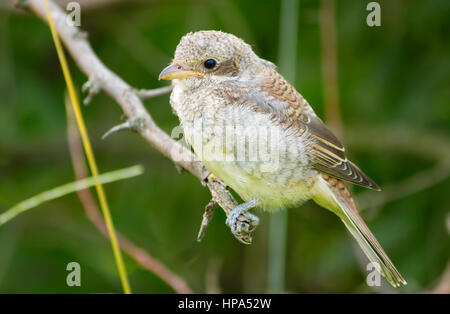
x,y
274,96
328,155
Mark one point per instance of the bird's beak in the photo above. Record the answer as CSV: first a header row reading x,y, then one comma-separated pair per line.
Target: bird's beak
x,y
176,71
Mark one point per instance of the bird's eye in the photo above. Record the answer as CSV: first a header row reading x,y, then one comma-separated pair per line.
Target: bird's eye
x,y
210,64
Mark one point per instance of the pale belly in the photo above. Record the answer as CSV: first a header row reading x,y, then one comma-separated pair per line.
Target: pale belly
x,y
275,190
278,181
278,178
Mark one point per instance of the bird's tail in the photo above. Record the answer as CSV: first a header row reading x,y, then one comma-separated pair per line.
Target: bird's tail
x,y
332,194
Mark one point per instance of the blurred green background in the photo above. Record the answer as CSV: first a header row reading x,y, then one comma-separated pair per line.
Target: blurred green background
x,y
394,95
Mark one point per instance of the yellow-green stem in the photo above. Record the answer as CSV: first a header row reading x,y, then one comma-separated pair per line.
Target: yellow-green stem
x,y
89,155
67,188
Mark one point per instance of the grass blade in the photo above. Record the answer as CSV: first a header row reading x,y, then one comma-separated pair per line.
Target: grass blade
x,y
68,188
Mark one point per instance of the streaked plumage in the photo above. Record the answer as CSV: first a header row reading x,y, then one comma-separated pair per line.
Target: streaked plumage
x,y
244,90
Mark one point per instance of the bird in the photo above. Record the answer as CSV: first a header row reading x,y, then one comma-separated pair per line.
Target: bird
x,y
228,101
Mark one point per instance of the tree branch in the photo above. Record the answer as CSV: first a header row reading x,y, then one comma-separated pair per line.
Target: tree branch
x,y
131,103
149,93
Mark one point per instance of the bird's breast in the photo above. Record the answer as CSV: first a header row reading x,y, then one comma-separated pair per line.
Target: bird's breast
x,y
244,148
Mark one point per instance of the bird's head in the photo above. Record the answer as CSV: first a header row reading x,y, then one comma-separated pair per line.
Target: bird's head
x,y
212,55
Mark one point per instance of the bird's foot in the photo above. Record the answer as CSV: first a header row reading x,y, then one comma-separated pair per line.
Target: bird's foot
x,y
241,222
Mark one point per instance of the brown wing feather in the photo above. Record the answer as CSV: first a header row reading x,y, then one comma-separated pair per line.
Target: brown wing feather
x,y
277,97
328,155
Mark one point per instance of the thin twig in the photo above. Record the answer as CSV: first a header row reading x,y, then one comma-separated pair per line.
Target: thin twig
x,y
127,125
207,216
59,191
92,212
150,93
84,4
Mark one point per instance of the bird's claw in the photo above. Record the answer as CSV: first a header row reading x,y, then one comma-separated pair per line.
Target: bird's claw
x,y
242,223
